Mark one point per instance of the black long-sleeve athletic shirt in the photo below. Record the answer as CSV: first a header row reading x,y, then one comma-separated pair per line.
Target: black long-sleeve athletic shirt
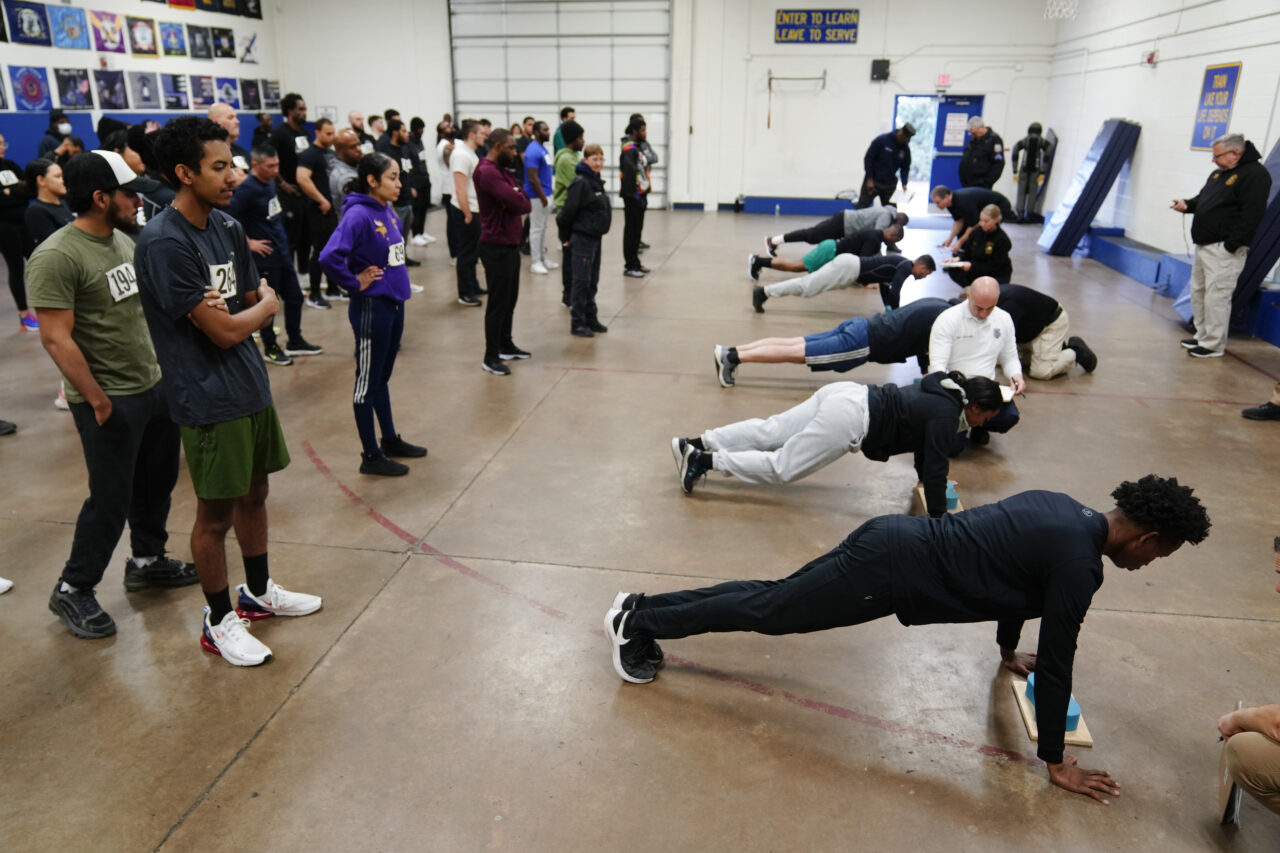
x,y
1033,555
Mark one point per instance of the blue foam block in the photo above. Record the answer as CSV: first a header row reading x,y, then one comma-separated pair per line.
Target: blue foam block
x,y
1073,707
1138,261
1268,325
1175,274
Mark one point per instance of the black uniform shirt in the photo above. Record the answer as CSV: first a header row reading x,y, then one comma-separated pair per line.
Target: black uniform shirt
x,y
1030,309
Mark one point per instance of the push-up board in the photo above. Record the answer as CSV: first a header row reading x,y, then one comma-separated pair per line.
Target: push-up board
x,y
1079,737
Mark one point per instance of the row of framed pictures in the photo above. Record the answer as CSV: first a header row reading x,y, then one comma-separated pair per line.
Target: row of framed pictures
x,y
111,32
138,90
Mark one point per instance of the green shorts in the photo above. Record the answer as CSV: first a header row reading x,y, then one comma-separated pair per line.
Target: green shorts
x,y
819,256
224,458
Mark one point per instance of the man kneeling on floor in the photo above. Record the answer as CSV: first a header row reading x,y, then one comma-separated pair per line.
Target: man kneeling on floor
x,y
1036,555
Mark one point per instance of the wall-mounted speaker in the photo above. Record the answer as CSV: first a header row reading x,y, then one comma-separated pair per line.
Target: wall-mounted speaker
x,y
879,69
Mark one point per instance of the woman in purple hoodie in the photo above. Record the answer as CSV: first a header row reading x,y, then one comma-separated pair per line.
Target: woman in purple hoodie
x,y
365,257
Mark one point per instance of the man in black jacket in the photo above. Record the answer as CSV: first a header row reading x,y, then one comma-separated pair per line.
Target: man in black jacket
x,y
982,162
634,190
1041,329
395,144
965,206
586,218
1033,555
888,158
1225,213
886,338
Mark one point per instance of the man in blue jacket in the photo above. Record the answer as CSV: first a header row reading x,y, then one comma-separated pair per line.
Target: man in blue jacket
x,y
1036,555
887,155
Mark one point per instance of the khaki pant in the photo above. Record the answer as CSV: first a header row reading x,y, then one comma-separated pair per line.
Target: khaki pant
x,y
1048,358
1253,760
1214,271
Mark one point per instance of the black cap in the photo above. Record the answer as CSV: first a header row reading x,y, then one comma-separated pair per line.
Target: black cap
x,y
908,130
91,171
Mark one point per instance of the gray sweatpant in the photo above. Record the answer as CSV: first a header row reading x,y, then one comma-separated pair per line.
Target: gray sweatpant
x,y
843,271
795,443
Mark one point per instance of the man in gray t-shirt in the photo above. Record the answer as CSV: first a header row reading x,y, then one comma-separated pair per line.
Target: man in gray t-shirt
x,y
846,223
82,283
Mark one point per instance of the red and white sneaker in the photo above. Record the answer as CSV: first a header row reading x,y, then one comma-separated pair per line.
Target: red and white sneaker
x,y
277,601
231,640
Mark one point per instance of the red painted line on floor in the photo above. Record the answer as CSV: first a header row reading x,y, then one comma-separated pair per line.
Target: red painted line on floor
x,y
342,487
1253,366
1141,402
684,663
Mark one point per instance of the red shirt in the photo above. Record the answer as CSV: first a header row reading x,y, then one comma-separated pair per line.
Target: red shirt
x,y
502,203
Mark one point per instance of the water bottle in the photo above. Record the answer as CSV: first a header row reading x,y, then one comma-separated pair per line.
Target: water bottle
x,y
953,499
777,210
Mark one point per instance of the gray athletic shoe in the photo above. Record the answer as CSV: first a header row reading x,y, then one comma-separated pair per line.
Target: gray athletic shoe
x,y
724,370
79,609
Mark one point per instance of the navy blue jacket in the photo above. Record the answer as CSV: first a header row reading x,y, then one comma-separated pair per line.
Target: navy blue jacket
x,y
885,156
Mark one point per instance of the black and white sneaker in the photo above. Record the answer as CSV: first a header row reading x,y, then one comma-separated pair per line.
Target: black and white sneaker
x,y
1188,343
1084,356
163,572
302,347
758,297
80,611
692,466
634,273
496,367
513,352
1203,352
753,267
469,301
677,450
336,294
274,355
770,248
628,601
628,655
319,302
724,370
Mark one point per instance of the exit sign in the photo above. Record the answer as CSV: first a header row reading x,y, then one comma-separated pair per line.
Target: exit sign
x,y
944,80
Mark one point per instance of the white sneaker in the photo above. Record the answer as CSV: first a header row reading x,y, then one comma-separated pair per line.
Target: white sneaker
x,y
277,601
539,269
5,585
231,639
421,240
416,288
551,265
428,238
60,401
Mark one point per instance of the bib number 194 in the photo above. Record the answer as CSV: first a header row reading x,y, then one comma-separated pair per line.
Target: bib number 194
x,y
122,281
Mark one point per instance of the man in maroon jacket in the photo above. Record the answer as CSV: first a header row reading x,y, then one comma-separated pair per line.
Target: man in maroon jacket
x,y
502,204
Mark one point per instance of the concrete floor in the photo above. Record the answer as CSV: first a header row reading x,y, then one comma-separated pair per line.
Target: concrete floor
x,y
455,693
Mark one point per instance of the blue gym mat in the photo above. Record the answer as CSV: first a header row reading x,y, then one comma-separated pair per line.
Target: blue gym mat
x,y
1264,251
1089,187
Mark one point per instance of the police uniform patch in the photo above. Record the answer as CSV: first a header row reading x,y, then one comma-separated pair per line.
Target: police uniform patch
x,y
1231,180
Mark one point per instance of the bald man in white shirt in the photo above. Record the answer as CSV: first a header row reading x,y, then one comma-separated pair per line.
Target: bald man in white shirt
x,y
974,337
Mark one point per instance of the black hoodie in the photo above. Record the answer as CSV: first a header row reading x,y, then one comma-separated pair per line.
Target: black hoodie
x,y
1231,204
921,419
586,207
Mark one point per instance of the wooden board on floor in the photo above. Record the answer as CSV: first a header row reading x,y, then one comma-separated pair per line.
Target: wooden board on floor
x,y
919,507
1080,737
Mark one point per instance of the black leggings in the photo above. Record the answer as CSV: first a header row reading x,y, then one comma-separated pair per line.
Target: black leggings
x,y
849,585
12,237
827,229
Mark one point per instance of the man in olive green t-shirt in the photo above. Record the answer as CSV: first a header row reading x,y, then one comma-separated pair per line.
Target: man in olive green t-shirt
x,y
82,284
566,160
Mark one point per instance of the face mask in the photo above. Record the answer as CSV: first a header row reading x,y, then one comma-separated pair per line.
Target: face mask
x,y
65,128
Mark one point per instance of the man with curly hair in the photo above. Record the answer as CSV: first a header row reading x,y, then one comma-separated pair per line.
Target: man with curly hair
x,y
1036,555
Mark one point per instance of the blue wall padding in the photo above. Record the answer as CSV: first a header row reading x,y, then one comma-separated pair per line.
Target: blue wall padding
x,y
1264,251
795,206
1182,305
1089,187
1175,274
23,131
1268,325
1137,260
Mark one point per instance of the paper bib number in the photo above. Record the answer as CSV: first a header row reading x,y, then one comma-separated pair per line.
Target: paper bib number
x,y
122,281
300,144
240,163
395,255
8,178
406,165
366,147
223,277
273,207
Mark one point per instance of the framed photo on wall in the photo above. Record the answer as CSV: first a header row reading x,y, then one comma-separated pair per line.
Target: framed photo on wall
x,y
144,90
199,42
111,90
173,41
28,23
75,92
228,91
108,31
270,94
174,87
142,36
224,43
30,88
250,94
70,27
202,92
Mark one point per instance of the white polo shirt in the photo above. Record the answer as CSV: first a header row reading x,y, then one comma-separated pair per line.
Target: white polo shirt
x,y
960,341
464,161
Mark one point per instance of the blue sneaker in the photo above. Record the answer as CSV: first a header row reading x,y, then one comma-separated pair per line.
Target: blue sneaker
x,y
30,323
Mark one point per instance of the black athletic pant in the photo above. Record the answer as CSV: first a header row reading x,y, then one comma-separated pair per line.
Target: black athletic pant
x,y
284,281
13,236
133,466
884,189
502,275
584,256
296,228
827,229
468,248
846,586
320,226
421,202
633,213
450,227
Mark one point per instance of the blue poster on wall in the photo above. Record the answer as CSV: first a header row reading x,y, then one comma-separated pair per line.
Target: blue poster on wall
x,y
70,28
30,88
228,91
1213,112
28,23
815,26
